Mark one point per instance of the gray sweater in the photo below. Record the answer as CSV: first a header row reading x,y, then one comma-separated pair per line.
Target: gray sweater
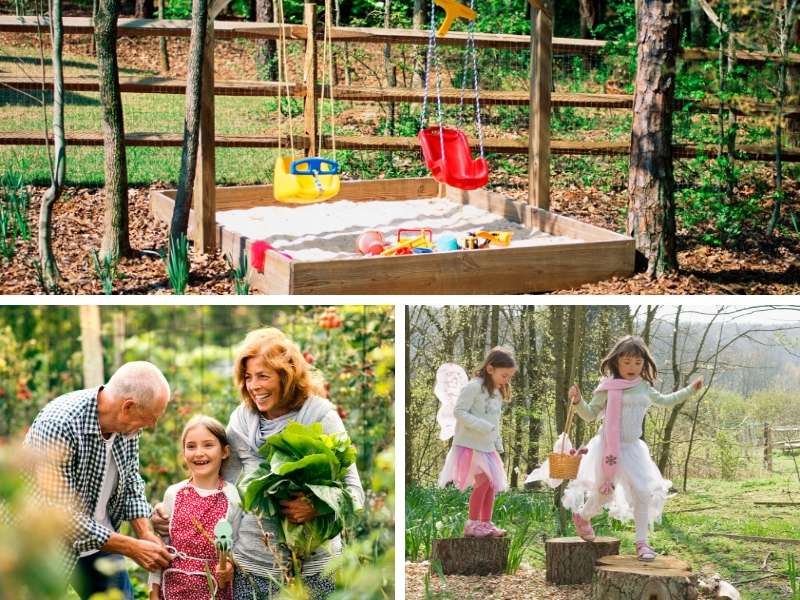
x,y
478,418
249,549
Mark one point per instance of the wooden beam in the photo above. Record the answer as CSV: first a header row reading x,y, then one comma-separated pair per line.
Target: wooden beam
x,y
310,78
372,35
205,186
369,143
539,121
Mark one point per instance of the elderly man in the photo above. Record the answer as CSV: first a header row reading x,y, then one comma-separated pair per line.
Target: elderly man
x,y
94,436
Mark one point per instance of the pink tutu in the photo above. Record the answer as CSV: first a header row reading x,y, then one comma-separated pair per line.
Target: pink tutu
x,y
463,464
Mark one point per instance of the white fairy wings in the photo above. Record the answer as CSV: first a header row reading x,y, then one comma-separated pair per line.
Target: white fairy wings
x,y
450,380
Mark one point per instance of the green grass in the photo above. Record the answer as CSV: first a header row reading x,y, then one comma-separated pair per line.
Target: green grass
x,y
687,529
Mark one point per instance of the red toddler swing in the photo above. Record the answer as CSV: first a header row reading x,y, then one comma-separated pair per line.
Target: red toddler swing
x,y
446,149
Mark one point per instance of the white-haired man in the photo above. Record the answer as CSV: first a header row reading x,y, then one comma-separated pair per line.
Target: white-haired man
x,y
94,435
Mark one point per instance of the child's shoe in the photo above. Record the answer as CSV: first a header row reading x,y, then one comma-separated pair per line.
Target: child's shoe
x,y
476,529
494,531
583,527
644,552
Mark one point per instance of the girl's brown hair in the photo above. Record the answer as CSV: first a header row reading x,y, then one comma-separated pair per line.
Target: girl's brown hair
x,y
280,354
630,345
498,358
214,427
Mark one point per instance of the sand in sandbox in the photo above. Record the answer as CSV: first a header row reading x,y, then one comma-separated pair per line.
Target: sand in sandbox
x,y
330,229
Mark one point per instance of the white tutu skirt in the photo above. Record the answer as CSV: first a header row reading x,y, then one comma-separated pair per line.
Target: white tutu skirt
x,y
463,464
638,483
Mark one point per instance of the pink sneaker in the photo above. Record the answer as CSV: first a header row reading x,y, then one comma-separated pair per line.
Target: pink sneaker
x,y
583,527
476,529
494,531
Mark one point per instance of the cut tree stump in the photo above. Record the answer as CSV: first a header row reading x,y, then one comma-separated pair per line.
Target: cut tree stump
x,y
570,560
471,556
627,578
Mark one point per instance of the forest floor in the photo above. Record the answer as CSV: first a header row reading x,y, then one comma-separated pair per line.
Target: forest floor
x,y
693,529
590,189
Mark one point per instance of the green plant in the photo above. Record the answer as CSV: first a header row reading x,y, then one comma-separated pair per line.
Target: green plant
x,y
302,459
106,271
516,550
794,576
177,264
240,274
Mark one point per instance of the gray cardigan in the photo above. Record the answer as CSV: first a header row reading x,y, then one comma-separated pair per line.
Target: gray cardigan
x,y
478,418
249,549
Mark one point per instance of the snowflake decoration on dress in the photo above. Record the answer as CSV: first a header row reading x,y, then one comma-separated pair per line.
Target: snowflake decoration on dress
x,y
611,459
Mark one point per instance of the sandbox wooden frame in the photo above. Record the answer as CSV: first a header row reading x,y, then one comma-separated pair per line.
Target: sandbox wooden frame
x,y
595,253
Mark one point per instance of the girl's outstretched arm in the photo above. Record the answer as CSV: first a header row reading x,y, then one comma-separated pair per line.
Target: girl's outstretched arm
x,y
588,412
669,400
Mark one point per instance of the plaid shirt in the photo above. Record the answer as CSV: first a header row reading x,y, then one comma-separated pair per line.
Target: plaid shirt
x,y
69,425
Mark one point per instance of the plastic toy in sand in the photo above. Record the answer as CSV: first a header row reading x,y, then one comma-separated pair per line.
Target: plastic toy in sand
x,y
421,242
447,243
371,243
501,238
258,253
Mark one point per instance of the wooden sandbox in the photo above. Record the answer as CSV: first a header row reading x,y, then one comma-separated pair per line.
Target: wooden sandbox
x,y
589,254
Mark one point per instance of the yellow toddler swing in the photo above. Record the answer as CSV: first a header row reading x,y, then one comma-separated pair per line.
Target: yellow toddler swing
x,y
312,178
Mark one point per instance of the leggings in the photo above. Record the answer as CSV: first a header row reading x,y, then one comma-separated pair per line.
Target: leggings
x,y
481,501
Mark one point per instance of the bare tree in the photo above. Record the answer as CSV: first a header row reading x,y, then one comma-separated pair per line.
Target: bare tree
x,y
116,242
651,204
58,161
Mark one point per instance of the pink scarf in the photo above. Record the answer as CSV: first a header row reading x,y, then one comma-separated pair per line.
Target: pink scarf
x,y
612,425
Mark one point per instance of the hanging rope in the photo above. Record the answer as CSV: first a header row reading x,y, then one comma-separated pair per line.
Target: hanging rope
x,y
471,52
327,61
432,64
283,68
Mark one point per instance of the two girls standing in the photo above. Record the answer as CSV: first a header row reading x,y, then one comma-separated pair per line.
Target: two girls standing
x,y
617,472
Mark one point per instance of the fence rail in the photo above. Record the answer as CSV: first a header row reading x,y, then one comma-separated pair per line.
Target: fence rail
x,y
371,35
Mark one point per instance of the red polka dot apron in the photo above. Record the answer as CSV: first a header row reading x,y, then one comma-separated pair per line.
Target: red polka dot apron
x,y
185,578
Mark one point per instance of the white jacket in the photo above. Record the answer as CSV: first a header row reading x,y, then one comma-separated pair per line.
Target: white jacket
x,y
478,418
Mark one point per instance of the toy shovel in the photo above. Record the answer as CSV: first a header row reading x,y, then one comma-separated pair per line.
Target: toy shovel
x,y
223,541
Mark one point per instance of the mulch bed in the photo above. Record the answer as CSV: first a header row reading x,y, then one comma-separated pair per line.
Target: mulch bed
x,y
526,583
761,266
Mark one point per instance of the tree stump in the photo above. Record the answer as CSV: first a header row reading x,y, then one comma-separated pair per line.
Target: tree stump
x,y
570,560
471,556
626,578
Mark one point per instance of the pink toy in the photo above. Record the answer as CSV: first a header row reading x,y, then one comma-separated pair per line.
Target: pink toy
x,y
258,251
371,243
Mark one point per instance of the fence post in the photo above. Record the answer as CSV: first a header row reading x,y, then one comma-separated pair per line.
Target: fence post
x,y
768,447
204,203
310,77
539,123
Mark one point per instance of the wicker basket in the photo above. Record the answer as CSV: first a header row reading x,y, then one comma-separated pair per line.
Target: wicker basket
x,y
564,465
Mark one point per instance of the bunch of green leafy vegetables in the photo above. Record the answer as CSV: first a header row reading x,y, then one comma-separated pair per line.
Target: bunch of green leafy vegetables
x,y
302,459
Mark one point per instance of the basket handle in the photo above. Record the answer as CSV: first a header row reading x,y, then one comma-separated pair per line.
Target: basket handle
x,y
568,423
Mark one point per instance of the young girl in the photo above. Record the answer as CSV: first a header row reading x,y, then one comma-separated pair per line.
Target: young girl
x,y
195,506
617,471
473,458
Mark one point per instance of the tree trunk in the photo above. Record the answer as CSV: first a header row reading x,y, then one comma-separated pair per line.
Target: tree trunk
x,y
266,50
626,578
666,438
699,24
191,124
418,22
570,560
162,42
91,346
144,9
388,66
589,16
116,242
651,204
536,369
409,441
471,556
560,380
59,163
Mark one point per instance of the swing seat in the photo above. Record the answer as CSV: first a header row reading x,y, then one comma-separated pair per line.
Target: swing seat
x,y
306,180
456,168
